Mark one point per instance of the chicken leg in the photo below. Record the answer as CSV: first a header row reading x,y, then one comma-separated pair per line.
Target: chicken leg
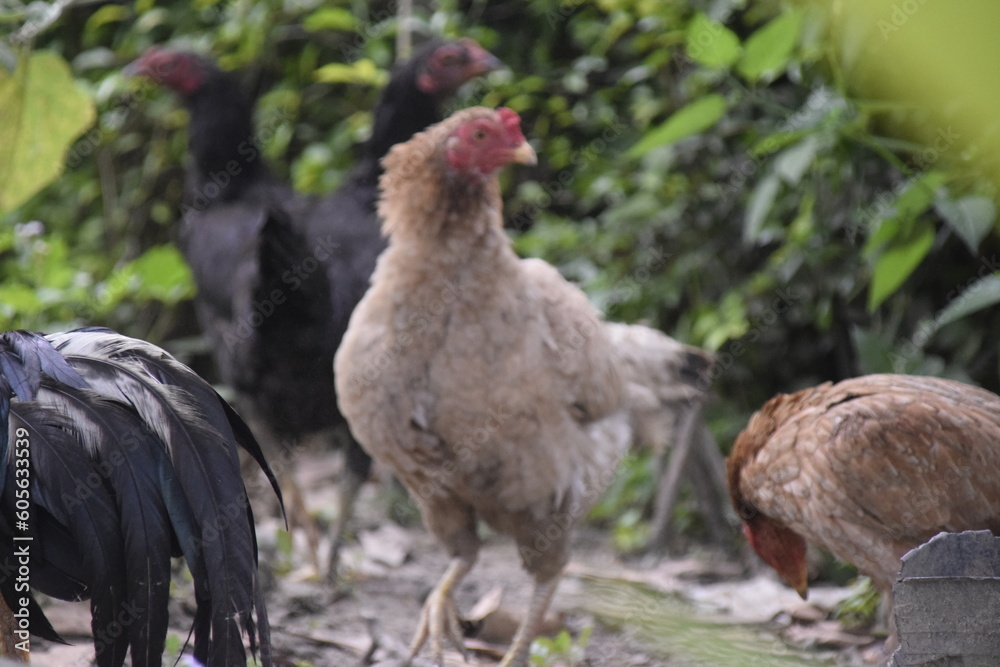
x,y
357,467
299,517
278,452
439,617
541,596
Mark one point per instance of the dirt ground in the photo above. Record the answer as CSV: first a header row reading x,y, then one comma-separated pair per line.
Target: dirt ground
x,y
699,609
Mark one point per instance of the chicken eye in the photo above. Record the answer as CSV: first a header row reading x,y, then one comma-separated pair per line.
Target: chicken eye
x,y
479,135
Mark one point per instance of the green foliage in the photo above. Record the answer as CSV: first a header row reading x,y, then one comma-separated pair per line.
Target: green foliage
x,y
711,44
561,650
283,562
693,119
981,294
769,49
622,504
860,607
173,646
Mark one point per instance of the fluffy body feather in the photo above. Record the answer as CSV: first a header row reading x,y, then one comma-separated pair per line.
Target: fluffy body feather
x,y
868,468
665,380
486,382
133,458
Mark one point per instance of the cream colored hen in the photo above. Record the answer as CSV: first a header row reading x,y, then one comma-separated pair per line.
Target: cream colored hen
x,y
486,382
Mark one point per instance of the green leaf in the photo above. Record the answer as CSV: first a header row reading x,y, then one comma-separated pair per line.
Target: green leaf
x,y
711,44
970,217
759,206
775,142
17,300
792,163
767,51
160,273
363,72
916,198
691,119
874,350
43,112
898,261
104,15
983,293
330,18
919,194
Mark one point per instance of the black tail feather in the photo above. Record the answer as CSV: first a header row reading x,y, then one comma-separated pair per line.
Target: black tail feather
x,y
91,517
132,456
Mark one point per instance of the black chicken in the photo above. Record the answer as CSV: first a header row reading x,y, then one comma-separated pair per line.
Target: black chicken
x,y
279,274
116,457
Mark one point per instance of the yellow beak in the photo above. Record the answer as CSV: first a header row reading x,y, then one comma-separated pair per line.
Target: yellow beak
x,y
525,154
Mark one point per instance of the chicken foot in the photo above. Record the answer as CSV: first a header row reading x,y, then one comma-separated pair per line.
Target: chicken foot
x,y
439,617
350,485
299,517
541,596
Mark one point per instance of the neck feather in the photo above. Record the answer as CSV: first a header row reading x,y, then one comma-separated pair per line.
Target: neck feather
x,y
221,138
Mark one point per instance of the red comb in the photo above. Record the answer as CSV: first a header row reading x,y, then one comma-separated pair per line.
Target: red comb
x,y
512,122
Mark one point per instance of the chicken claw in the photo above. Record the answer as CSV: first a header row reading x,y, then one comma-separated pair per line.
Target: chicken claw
x,y
439,618
520,648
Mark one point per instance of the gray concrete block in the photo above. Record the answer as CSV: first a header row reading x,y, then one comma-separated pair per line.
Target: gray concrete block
x,y
946,602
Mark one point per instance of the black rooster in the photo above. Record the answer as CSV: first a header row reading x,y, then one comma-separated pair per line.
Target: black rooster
x,y
279,274
113,458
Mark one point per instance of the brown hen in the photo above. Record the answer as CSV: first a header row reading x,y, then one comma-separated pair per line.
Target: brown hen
x,y
868,468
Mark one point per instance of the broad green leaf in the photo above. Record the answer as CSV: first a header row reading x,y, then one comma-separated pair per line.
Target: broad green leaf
x,y
896,262
727,322
106,14
916,198
983,293
885,231
696,117
919,195
759,206
711,44
363,72
330,18
767,51
19,300
43,112
160,273
970,217
775,142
